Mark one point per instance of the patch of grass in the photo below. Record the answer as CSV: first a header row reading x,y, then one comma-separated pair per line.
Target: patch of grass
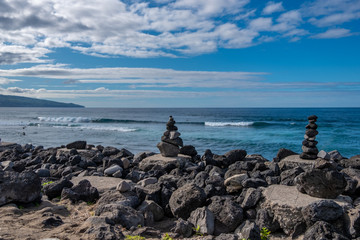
x,y
167,237
90,203
197,231
46,183
137,237
264,233
21,207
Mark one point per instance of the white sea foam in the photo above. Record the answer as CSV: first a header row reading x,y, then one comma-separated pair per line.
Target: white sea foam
x,y
224,124
101,128
65,119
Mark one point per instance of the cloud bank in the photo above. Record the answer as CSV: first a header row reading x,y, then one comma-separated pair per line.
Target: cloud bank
x,y
30,30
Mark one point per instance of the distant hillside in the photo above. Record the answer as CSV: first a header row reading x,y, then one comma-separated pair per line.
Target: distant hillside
x,y
15,101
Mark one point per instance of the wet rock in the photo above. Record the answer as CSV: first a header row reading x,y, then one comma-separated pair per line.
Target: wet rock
x,y
186,199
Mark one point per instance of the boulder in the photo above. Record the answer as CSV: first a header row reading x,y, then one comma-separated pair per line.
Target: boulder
x,y
108,151
283,153
186,199
248,230
335,155
183,228
76,145
168,149
161,163
83,191
288,176
324,155
252,197
321,183
120,214
234,156
188,150
123,186
323,230
99,228
353,222
228,214
113,169
204,219
234,183
353,162
153,207
286,204
323,210
53,190
24,187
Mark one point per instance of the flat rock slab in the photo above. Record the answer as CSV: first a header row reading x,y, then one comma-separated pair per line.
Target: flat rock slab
x,y
101,183
158,162
286,203
295,161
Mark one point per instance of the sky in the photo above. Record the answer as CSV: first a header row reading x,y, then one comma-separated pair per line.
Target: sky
x,y
182,53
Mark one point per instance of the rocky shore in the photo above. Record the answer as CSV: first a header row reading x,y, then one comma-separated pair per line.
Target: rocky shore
x,y
81,191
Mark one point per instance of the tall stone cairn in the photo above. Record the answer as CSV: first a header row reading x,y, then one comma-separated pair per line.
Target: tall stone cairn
x,y
309,148
170,141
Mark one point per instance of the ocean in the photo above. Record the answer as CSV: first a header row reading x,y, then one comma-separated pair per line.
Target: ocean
x,y
257,130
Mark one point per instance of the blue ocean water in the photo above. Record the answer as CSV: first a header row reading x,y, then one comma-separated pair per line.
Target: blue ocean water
x,y
257,130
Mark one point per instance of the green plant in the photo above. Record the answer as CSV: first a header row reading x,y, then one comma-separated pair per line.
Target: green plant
x,y
90,203
46,183
137,237
197,231
167,237
21,207
264,233
139,226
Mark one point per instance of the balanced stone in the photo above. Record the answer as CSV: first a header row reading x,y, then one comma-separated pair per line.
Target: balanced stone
x,y
309,148
170,141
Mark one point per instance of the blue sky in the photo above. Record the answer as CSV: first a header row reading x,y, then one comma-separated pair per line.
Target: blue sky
x,y
182,53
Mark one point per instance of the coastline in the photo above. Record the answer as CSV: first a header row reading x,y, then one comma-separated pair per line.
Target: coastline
x,y
230,196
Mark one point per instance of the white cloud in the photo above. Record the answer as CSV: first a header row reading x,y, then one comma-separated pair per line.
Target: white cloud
x,y
334,33
5,81
30,30
272,7
261,24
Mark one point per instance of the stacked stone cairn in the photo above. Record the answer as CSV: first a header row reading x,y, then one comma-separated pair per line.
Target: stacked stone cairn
x,y
170,142
309,148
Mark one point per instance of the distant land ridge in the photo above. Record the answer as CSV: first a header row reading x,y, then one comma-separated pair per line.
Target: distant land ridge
x,y
16,101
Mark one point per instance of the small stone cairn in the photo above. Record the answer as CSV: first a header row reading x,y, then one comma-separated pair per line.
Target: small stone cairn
x,y
170,142
309,148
